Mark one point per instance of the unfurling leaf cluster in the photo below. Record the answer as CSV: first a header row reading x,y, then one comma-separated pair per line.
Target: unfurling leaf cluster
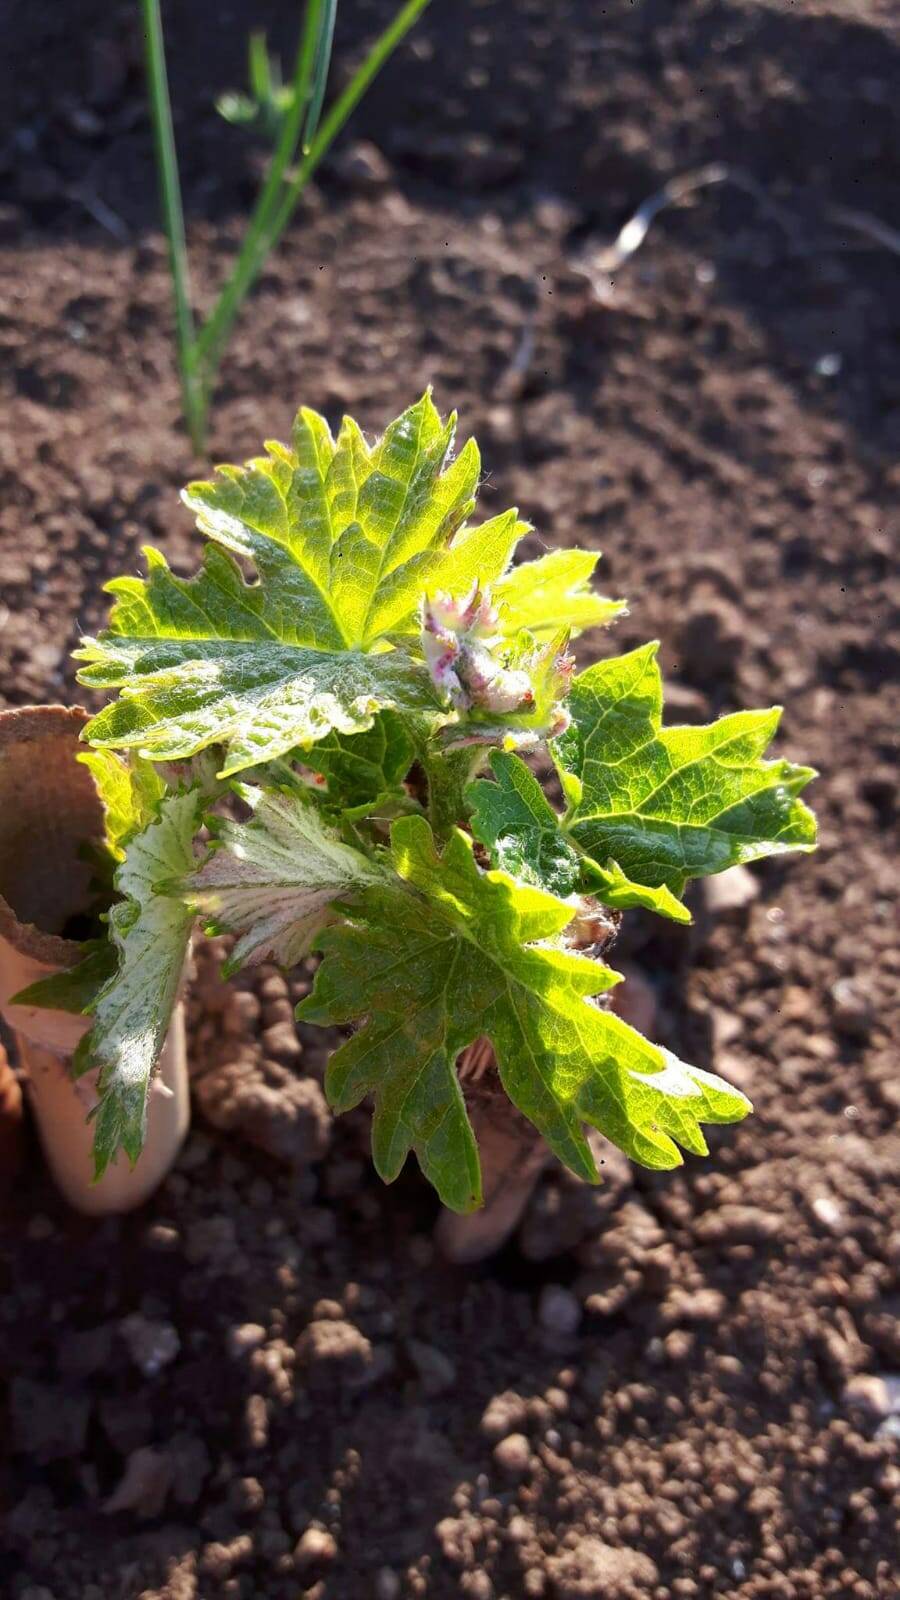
x,y
321,742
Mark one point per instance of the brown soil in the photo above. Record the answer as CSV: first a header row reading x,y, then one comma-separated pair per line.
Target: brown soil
x,y
266,1384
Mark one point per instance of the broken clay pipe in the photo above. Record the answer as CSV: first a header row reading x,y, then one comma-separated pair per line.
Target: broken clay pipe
x,y
49,809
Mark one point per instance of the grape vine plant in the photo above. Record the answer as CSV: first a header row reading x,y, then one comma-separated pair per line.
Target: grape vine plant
x,y
336,754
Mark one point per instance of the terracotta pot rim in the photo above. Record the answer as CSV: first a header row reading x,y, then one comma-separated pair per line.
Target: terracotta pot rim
x,y
20,725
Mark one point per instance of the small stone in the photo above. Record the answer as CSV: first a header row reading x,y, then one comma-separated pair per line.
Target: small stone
x,y
701,1305
503,1414
559,1312
477,1585
387,1584
289,1121
143,1486
736,1224
513,1455
335,1351
729,891
436,1370
243,1338
161,1236
826,1210
593,1569
878,1394
256,1422
152,1345
852,1009
679,1344
363,166
281,1041
315,1548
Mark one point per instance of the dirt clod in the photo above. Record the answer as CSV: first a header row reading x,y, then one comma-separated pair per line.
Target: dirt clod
x,y
593,1570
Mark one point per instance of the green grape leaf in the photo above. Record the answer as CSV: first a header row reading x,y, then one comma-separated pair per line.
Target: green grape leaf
x,y
670,804
462,954
74,989
344,539
150,932
129,790
273,879
364,771
514,819
553,594
258,698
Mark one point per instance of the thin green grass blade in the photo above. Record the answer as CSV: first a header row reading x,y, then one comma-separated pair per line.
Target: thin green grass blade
x,y
270,220
173,218
320,74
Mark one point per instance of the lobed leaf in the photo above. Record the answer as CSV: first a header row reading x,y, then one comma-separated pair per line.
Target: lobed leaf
x,y
258,698
344,539
132,1012
463,954
272,879
130,792
553,595
515,821
74,989
364,771
670,804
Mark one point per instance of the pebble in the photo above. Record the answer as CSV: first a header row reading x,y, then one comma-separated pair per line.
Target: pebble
x,y
700,1305
852,1009
363,166
256,1422
503,1414
280,1040
436,1370
513,1455
736,1224
732,890
826,1210
594,1568
315,1548
161,1236
477,1586
335,1349
244,1338
152,1345
143,1486
559,1311
877,1393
